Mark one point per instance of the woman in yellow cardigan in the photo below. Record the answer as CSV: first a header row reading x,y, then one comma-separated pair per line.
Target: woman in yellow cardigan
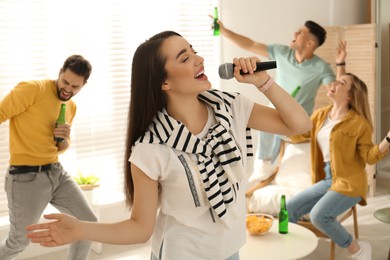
x,y
341,146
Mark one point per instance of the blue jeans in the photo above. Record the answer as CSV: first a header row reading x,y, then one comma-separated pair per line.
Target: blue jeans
x,y
268,146
324,206
235,256
29,194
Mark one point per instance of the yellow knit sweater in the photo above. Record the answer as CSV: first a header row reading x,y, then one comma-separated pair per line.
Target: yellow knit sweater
x,y
33,108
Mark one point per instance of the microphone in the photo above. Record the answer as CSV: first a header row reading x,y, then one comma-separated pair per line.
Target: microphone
x,y
225,70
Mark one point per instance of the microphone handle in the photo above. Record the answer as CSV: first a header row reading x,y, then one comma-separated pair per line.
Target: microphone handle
x,y
260,66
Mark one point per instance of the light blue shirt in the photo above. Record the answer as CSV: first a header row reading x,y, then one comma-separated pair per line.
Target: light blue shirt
x,y
310,74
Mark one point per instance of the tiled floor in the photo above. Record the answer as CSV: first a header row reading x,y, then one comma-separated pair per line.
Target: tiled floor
x,y
370,229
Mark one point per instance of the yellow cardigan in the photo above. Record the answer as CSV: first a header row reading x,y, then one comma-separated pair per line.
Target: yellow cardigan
x,y
32,108
351,148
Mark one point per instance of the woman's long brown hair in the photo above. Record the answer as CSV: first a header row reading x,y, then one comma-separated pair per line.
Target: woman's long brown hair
x,y
359,98
146,97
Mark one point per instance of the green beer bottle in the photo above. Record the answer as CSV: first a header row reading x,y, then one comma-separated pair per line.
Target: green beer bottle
x,y
295,92
60,121
216,25
283,216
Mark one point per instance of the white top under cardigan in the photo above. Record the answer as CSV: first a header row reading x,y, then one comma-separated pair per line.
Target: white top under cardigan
x,y
183,230
323,137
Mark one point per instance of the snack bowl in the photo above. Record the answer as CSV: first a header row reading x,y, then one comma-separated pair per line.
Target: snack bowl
x,y
258,223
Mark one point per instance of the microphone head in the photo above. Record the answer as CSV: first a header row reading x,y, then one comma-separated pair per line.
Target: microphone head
x,y
225,71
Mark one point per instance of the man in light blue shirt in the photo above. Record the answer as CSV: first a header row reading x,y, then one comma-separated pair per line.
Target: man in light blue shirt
x,y
297,66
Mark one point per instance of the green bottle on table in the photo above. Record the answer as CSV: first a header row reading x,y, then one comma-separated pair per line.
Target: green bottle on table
x,y
60,121
216,25
283,216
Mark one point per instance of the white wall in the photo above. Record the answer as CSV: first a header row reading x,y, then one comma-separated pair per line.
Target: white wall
x,y
348,12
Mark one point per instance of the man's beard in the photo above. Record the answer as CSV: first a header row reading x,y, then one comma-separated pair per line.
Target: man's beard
x,y
61,98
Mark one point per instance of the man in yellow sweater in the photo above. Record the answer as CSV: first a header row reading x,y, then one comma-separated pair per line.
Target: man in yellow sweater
x,y
35,177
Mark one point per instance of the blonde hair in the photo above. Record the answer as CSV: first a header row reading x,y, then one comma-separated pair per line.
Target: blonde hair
x,y
359,98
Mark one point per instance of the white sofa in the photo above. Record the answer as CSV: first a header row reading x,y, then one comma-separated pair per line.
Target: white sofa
x,y
293,175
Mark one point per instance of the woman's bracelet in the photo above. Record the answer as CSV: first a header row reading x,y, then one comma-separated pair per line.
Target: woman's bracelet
x,y
340,64
388,139
266,85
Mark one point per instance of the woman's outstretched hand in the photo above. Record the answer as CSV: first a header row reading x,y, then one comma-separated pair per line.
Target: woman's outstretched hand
x,y
64,230
341,52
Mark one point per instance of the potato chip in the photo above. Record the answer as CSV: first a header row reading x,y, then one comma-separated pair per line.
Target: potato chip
x,y
258,224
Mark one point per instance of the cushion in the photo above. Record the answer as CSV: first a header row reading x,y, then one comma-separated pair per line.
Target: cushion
x,y
267,199
293,176
294,169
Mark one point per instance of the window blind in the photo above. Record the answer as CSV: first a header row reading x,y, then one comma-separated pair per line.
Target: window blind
x,y
36,36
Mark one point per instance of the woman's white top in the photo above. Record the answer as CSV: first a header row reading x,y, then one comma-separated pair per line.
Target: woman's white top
x,y
184,229
323,137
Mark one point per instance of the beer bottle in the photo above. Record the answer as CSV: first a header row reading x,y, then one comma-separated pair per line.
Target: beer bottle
x,y
216,25
60,121
295,92
283,216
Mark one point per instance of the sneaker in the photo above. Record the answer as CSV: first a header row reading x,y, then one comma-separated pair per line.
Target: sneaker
x,y
365,251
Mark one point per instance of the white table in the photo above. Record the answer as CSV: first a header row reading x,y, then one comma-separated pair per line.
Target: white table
x,y
298,243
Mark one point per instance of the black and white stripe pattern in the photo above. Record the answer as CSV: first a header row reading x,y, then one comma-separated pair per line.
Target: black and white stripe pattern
x,y
216,153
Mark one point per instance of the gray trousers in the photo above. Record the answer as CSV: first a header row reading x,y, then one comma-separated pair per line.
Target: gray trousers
x,y
28,195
